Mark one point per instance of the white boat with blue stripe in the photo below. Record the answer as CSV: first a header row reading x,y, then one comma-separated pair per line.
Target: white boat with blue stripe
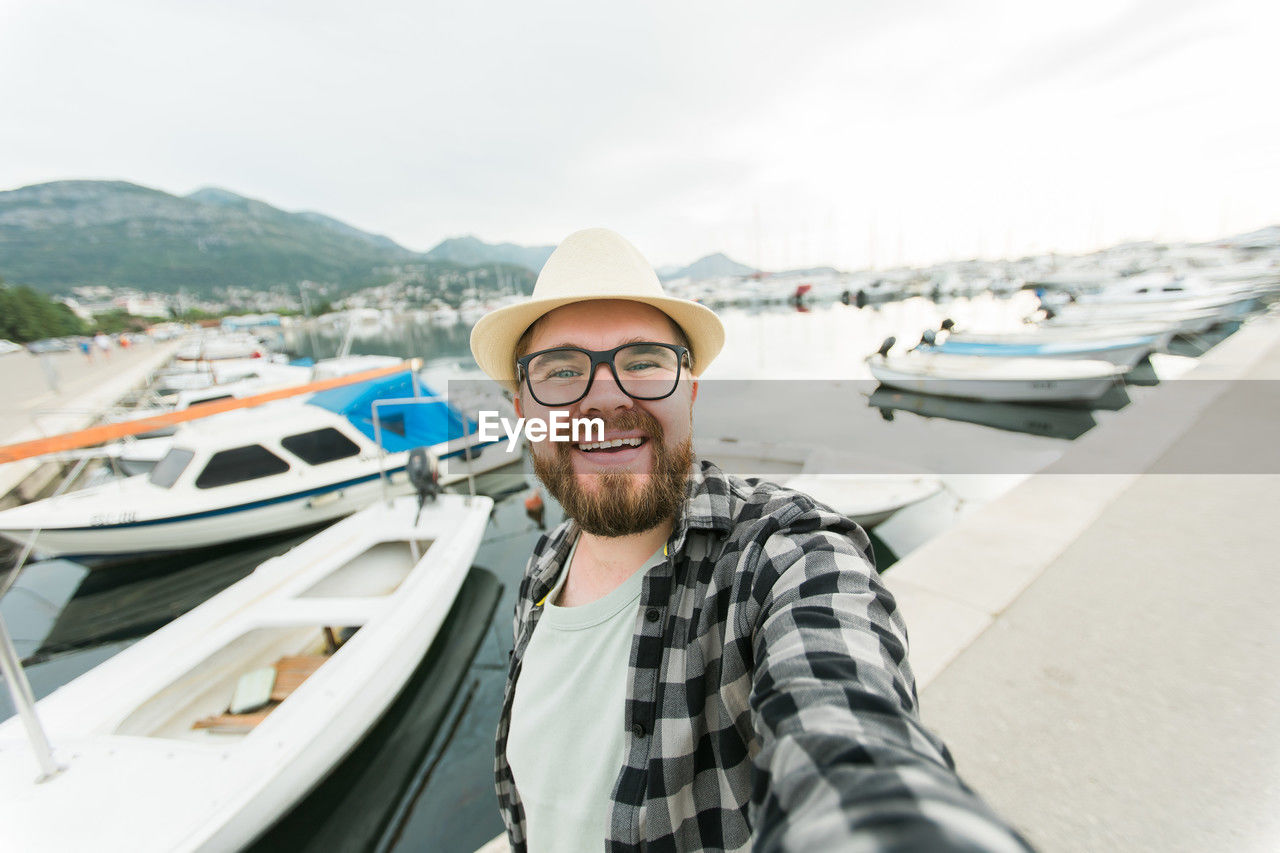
x,y
1124,351
281,466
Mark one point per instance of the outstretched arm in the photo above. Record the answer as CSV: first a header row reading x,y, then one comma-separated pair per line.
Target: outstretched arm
x,y
845,762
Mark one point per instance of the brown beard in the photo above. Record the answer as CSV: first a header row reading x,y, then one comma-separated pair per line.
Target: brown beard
x,y
616,507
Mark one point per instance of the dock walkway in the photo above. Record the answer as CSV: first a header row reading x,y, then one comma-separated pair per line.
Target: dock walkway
x,y
62,391
1100,650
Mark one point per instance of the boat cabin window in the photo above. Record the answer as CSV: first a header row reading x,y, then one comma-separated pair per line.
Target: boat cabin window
x,y
238,465
171,466
320,446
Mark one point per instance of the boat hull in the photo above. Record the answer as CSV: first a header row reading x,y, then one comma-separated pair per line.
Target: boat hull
x,y
1014,380
1126,353
121,533
135,785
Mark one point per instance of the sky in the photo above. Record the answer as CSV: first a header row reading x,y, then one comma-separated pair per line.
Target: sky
x,y
848,133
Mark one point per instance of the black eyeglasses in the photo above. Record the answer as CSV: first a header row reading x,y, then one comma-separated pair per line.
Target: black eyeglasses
x,y
563,375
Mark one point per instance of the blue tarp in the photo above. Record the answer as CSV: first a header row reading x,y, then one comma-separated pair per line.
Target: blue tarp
x,y
404,425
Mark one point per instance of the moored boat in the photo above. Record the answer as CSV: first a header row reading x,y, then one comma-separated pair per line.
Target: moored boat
x,y
1123,351
1003,379
282,466
201,735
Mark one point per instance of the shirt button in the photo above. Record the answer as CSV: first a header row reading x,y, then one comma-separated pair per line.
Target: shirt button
x,y
652,614
638,730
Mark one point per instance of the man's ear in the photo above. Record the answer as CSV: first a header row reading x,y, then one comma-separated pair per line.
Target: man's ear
x,y
694,398
515,401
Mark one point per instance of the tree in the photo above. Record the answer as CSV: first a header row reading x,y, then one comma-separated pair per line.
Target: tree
x,y
27,315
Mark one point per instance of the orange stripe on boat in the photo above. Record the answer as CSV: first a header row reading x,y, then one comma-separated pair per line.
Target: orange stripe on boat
x,y
110,432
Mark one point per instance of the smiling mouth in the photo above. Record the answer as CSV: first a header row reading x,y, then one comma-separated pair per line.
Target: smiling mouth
x,y
611,446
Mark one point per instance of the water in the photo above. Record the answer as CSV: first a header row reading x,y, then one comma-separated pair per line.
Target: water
x,y
66,620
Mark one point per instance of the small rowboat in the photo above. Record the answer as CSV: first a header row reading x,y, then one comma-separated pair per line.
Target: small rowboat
x,y
1026,380
201,735
1123,351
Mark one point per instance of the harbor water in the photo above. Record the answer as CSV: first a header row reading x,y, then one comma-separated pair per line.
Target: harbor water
x,y
65,620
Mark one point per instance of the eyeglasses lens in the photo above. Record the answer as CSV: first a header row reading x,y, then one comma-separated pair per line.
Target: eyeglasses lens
x,y
645,372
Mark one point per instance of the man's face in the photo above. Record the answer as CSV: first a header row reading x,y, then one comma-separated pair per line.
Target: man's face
x,y
623,490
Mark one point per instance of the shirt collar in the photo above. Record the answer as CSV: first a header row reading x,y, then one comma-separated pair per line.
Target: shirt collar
x,y
706,505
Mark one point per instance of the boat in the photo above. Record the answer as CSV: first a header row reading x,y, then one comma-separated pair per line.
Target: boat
x,y
1162,333
1189,317
222,346
1125,352
202,734
282,466
975,377
865,489
1165,288
135,455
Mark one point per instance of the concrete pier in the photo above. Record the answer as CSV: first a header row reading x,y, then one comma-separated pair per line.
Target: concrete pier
x,y
1100,651
47,394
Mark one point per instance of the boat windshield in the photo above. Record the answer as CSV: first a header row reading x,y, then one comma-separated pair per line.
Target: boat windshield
x,y
171,466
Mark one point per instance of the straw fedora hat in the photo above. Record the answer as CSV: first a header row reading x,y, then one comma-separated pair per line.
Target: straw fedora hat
x,y
595,263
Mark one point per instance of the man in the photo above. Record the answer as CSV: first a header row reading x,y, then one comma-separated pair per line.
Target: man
x,y
699,662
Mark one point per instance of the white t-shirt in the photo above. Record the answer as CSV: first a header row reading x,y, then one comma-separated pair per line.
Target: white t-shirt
x,y
566,744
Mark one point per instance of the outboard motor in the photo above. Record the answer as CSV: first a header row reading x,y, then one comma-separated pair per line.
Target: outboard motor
x,y
424,474
928,339
886,346
948,324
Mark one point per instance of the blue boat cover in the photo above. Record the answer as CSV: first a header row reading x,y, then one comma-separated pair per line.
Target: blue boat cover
x,y
403,425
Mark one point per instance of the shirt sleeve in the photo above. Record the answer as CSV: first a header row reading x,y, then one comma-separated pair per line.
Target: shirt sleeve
x,y
844,762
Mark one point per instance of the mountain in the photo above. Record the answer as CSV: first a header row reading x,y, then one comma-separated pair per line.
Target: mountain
x,y
712,266
58,235
471,251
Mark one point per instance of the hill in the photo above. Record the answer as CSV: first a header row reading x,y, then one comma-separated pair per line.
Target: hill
x,y
712,266
471,251
58,235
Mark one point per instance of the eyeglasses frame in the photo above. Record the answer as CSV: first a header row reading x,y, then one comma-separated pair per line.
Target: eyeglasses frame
x,y
599,357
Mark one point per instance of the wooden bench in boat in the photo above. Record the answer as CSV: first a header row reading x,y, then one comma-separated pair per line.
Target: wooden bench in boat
x,y
291,671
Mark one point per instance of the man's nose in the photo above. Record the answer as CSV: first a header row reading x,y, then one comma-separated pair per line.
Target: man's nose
x,y
605,394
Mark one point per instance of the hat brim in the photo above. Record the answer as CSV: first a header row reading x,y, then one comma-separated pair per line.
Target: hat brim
x,y
495,335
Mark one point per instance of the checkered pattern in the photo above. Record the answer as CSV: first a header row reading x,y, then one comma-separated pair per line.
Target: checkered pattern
x,y
770,702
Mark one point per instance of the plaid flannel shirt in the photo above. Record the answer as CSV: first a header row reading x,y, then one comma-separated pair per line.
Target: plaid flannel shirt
x,y
770,703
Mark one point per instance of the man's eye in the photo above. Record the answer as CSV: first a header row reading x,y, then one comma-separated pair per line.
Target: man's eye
x,y
643,365
563,373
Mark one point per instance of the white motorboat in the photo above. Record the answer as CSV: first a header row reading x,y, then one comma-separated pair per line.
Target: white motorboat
x,y
139,454
193,375
975,377
864,489
220,346
1164,288
273,468
1125,351
201,735
1162,332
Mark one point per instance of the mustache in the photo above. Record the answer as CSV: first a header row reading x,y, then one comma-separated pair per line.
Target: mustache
x,y
626,420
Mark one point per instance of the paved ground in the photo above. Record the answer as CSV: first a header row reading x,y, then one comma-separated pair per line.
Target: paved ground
x,y
56,392
1128,698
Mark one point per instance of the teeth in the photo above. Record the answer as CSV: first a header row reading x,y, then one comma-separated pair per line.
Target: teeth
x,y
605,445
